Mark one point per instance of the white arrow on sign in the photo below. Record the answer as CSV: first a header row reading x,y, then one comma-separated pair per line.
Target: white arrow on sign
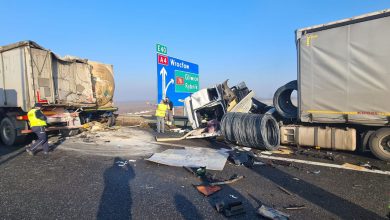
x,y
166,88
163,74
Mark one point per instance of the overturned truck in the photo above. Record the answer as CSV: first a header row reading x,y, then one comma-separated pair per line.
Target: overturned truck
x,y
343,86
72,90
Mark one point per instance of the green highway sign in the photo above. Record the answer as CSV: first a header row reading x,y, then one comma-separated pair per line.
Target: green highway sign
x,y
186,82
161,49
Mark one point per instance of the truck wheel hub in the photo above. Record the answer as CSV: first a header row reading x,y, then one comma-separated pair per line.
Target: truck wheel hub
x,y
385,143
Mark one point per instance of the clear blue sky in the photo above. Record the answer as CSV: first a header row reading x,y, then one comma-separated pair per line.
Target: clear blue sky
x,y
251,41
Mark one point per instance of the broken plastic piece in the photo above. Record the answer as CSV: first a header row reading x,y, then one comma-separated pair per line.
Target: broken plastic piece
x,y
207,190
271,213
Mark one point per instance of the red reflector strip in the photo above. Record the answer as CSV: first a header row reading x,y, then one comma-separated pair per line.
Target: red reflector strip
x,y
22,117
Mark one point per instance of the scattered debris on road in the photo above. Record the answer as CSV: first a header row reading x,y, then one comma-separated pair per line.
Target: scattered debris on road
x,y
271,213
346,166
314,172
239,158
196,171
230,208
207,190
232,179
295,207
192,157
285,190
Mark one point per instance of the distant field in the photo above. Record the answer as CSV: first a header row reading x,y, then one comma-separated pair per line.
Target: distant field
x,y
136,107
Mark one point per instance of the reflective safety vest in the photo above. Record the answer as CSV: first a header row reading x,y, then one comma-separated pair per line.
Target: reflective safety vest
x,y
34,121
161,110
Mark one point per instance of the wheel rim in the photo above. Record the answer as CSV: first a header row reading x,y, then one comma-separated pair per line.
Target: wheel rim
x,y
7,131
385,143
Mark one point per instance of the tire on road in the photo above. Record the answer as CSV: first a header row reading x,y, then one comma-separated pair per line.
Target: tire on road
x,y
282,100
251,130
8,133
380,144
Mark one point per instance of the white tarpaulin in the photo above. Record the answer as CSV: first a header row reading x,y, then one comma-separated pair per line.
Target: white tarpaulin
x,y
192,157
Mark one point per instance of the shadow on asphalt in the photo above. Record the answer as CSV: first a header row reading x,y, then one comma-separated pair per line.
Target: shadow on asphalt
x,y
316,195
116,201
8,153
187,210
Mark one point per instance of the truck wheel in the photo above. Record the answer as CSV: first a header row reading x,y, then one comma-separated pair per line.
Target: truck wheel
x,y
380,144
111,121
8,132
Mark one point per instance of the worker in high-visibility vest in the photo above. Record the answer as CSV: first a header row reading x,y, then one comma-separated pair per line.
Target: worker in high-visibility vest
x,y
170,111
160,115
38,123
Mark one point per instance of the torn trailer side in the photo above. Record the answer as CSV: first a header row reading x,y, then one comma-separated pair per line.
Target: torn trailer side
x,y
65,87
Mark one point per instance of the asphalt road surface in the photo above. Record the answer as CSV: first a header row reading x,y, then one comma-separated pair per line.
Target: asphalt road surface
x,y
71,184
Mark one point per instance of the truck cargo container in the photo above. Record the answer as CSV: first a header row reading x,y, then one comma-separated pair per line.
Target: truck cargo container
x,y
65,86
344,83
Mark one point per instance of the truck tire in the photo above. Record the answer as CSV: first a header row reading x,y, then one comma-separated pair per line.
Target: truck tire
x,y
380,144
282,101
111,121
8,133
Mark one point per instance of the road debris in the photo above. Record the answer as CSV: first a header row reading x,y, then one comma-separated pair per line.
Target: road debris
x,y
295,207
285,190
207,190
193,132
180,130
314,172
282,150
316,154
354,167
344,166
122,163
239,158
368,166
266,152
196,171
271,213
357,185
233,196
230,208
192,157
232,179
258,163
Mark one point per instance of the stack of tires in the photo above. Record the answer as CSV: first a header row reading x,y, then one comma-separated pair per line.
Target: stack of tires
x,y
251,130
